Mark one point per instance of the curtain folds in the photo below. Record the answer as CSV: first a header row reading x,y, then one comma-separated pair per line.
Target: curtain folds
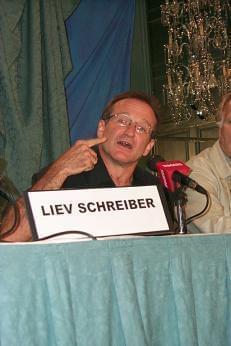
x,y
34,61
100,35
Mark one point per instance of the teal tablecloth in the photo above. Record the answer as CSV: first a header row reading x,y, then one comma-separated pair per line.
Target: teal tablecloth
x,y
163,291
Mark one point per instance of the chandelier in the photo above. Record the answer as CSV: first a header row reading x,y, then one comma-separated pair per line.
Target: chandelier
x,y
197,56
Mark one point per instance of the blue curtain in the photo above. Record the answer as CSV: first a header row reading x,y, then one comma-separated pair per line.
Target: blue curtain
x,y
100,38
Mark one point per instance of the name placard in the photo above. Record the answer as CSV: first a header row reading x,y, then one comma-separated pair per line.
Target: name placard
x,y
99,212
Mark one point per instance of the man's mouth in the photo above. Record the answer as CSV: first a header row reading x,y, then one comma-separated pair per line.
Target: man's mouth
x,y
125,144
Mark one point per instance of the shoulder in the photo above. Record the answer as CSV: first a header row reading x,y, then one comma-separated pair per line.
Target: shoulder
x,y
212,161
206,158
208,168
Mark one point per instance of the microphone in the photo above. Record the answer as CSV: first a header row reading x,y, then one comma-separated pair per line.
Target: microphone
x,y
187,181
165,171
174,173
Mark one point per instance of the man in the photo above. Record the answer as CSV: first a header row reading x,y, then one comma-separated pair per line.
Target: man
x,y
212,169
124,135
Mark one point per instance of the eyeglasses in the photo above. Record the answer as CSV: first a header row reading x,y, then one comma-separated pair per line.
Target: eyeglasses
x,y
123,120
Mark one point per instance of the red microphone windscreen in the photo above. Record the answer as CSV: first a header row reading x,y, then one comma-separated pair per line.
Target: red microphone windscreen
x,y
166,169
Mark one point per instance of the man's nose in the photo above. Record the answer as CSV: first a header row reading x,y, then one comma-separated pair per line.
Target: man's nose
x,y
131,129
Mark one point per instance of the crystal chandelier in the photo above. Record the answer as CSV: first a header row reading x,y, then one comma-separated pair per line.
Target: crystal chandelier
x,y
197,55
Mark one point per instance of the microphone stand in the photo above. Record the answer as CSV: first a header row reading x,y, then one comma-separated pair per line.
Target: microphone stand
x,y
180,202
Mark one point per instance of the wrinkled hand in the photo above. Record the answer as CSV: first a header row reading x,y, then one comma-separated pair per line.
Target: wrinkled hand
x,y
80,157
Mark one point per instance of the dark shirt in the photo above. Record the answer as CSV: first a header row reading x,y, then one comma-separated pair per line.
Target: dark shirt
x,y
99,177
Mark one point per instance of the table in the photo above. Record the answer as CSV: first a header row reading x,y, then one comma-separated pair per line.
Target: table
x,y
161,291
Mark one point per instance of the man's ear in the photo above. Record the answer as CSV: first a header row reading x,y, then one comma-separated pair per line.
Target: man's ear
x,y
149,147
101,129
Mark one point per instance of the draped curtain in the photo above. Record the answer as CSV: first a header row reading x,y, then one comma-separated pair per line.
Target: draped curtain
x,y
34,61
100,36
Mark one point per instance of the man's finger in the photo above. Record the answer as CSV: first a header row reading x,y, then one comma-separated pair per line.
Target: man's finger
x,y
95,141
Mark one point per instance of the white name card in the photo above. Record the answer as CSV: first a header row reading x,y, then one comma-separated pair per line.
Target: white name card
x,y
99,212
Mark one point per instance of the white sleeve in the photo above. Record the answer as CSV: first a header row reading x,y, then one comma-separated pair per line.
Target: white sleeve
x,y
218,218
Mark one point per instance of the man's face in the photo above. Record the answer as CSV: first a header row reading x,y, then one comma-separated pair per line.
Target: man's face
x,y
124,144
225,130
